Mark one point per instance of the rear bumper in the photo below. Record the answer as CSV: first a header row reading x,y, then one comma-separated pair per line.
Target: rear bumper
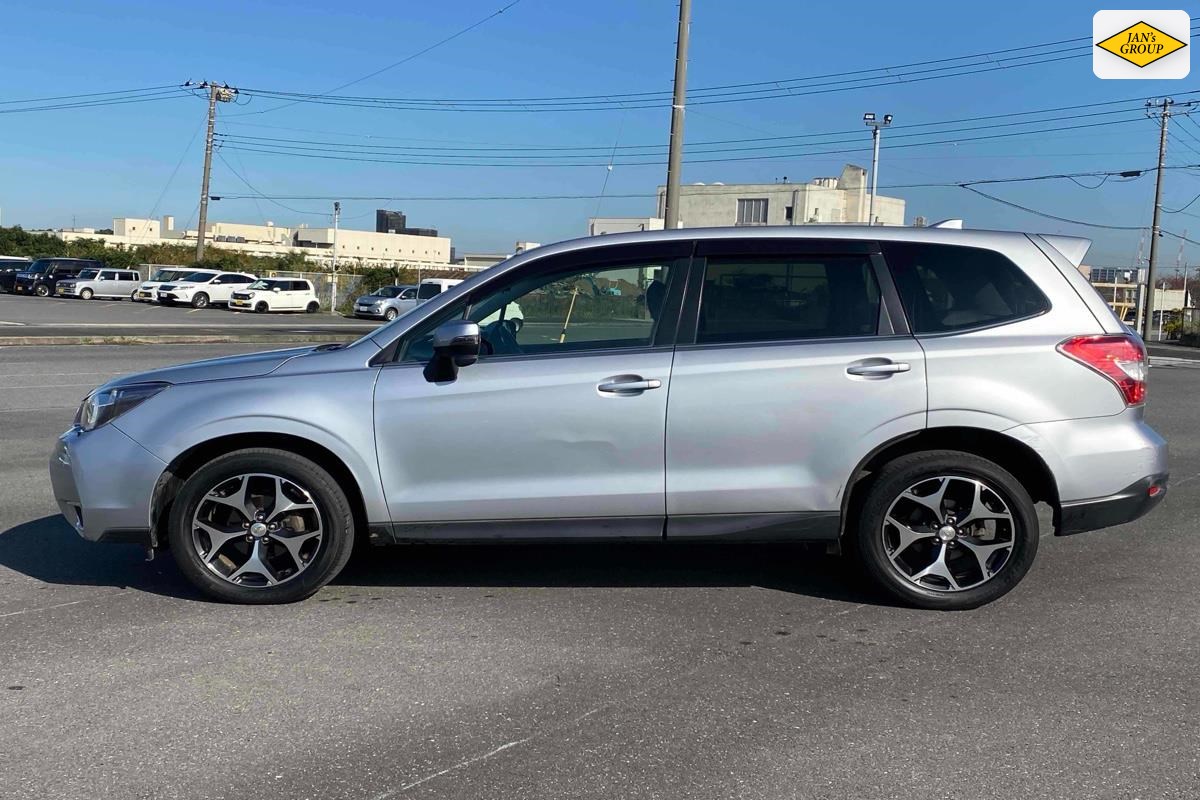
x,y
1134,501
103,482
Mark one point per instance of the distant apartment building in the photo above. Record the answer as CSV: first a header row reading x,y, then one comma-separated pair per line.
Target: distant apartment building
x,y
396,222
821,201
360,248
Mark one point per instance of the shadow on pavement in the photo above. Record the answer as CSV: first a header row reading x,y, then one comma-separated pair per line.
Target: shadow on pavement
x,y
49,550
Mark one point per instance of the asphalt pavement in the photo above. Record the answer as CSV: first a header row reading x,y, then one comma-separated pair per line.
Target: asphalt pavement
x,y
605,671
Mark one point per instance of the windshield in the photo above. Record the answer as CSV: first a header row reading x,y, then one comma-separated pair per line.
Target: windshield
x,y
198,277
88,274
388,291
168,274
41,265
265,284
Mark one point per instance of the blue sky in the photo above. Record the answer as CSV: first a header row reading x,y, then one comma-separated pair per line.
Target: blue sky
x,y
90,165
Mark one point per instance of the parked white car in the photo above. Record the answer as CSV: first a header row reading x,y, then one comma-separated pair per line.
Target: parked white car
x,y
201,289
276,294
110,283
147,291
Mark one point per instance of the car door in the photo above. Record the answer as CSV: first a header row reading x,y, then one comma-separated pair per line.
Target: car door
x,y
106,283
558,429
794,363
126,283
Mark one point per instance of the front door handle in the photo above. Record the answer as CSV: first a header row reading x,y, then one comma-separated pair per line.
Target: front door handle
x,y
877,368
628,384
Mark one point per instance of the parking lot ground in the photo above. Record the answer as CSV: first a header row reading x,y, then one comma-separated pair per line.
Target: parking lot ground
x,y
587,671
30,318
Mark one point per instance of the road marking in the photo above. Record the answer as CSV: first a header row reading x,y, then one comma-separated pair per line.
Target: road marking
x,y
1172,361
63,605
459,765
12,323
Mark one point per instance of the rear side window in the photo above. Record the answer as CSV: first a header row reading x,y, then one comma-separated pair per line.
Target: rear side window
x,y
801,297
951,288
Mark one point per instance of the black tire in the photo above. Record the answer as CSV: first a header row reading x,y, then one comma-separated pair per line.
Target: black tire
x,y
390,314
200,300
86,294
133,296
261,307
908,471
331,501
41,290
313,307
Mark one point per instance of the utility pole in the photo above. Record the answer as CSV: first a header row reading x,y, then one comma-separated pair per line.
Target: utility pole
x,y
337,214
216,94
675,155
875,125
1163,110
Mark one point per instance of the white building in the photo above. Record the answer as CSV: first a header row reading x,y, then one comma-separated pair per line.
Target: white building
x,y
360,248
598,226
843,199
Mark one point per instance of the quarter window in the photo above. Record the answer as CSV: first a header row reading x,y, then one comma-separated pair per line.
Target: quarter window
x,y
949,287
776,298
752,212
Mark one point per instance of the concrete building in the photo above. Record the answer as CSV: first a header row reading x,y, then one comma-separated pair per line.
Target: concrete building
x,y
843,199
360,248
598,226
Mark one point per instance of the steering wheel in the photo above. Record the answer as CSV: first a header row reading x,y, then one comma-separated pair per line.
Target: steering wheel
x,y
498,339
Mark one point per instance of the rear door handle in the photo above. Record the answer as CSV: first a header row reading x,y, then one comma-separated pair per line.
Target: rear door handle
x,y
877,368
628,384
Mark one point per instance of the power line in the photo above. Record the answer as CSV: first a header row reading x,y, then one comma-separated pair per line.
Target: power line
x,y
1035,212
176,92
257,193
326,153
404,60
716,94
88,95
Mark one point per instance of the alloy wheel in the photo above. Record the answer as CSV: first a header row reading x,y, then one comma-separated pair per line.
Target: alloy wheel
x,y
257,530
949,533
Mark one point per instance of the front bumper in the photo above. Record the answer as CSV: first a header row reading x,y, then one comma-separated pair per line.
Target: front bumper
x,y
367,312
237,302
145,295
170,297
103,482
1127,505
66,291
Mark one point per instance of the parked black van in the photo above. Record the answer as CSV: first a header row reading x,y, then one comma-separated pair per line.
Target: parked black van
x,y
44,273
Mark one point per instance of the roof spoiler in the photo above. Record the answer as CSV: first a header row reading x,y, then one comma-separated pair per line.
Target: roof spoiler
x,y
1073,248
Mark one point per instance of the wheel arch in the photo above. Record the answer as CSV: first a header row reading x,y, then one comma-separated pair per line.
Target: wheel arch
x,y
187,462
1011,454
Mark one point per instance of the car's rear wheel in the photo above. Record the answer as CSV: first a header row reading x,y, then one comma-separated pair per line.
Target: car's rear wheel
x,y
133,296
261,526
200,300
391,314
313,307
41,290
947,530
86,294
261,307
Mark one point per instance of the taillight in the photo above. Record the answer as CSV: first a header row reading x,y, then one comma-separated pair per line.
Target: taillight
x,y
1119,357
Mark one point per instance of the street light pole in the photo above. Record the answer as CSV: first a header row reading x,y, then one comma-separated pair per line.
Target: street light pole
x,y
875,125
333,288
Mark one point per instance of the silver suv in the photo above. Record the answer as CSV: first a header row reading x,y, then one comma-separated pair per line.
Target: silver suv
x,y
905,394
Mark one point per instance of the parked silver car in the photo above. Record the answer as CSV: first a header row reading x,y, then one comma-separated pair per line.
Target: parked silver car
x,y
386,302
105,283
907,394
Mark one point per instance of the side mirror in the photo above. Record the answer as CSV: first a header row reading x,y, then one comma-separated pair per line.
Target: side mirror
x,y
455,344
275,289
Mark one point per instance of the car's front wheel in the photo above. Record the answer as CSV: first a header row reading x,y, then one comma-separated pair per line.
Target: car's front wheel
x,y
261,525
391,314
41,290
261,307
947,530
200,300
86,294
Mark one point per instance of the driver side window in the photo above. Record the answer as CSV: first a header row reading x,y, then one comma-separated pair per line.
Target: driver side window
x,y
580,309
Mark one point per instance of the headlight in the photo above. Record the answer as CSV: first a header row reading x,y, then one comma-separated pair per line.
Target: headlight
x,y
105,405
